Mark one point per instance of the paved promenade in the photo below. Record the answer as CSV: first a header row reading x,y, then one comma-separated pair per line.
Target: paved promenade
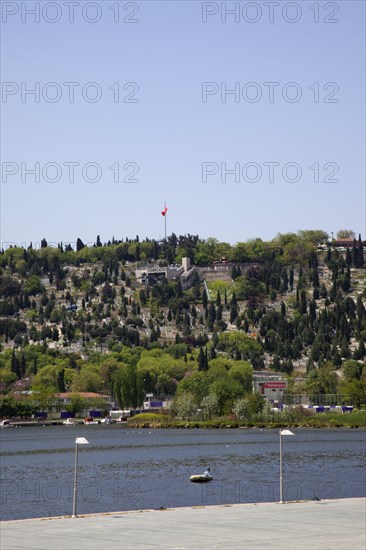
x,y
332,524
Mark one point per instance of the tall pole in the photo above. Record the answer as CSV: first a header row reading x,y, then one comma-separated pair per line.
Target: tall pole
x,y
281,477
78,441
282,432
165,220
75,482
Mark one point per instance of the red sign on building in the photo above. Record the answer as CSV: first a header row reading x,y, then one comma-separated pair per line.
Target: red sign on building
x,y
274,385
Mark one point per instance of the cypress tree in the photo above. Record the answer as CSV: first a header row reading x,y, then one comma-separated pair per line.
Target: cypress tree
x,y
312,310
15,367
328,257
323,291
204,298
360,352
26,301
354,253
79,244
285,281
61,380
283,310
360,309
303,302
291,281
315,277
276,363
360,260
219,313
346,284
206,360
35,366
348,258
201,360
233,312
212,312
22,366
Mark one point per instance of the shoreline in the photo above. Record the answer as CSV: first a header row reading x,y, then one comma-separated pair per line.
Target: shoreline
x,y
209,425
260,426
183,508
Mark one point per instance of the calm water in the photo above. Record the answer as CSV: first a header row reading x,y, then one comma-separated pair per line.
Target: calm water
x,y
124,469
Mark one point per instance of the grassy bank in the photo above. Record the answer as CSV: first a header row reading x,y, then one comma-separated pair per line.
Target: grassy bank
x,y
355,419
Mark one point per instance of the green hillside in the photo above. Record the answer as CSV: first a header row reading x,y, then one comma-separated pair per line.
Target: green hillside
x,y
83,319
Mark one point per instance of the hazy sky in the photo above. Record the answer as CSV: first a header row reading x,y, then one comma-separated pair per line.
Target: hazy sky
x,y
144,87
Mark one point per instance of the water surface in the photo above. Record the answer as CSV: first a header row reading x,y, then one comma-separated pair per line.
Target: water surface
x,y
124,469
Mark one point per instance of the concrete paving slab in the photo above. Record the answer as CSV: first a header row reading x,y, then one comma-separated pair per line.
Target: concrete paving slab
x,y
338,525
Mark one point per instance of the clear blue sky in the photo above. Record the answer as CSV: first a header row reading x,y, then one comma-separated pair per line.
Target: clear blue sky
x,y
169,52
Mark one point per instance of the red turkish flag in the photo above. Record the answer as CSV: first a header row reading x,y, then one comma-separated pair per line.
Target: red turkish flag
x,y
164,211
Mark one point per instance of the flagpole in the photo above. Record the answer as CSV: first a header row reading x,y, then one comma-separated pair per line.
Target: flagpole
x,y
164,211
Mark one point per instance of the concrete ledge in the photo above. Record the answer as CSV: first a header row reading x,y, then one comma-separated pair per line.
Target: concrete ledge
x,y
329,524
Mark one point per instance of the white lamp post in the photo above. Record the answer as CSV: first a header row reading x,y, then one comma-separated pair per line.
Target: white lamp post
x,y
78,441
282,432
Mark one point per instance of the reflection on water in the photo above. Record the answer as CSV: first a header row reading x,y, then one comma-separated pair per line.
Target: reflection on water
x,y
130,469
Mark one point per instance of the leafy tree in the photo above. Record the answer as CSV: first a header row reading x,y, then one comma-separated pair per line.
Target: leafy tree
x,y
33,285
129,387
47,377
346,234
43,398
314,236
242,372
77,404
323,380
354,392
7,378
226,391
9,286
352,370
195,385
232,341
210,406
185,406
87,381
246,408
